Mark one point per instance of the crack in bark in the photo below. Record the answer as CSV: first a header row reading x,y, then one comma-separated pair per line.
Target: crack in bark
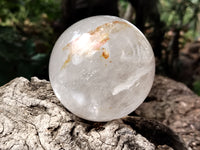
x,y
161,134
37,135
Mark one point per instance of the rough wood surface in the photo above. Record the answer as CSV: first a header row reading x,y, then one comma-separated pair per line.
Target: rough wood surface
x,y
31,117
176,106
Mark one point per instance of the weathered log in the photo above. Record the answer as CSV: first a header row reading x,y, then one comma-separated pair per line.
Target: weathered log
x,y
31,117
176,106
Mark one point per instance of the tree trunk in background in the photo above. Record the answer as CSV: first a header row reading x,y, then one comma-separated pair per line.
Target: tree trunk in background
x,y
75,10
147,12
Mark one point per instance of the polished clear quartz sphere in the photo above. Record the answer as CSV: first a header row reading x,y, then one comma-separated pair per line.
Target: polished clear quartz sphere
x,y
102,68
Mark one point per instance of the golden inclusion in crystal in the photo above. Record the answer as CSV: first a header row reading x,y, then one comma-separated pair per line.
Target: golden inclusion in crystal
x,y
93,40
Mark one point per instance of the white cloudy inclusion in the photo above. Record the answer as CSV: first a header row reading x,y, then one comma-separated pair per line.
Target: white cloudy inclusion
x,y
102,68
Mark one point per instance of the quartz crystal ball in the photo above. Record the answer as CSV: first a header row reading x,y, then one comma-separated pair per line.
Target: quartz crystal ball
x,y
102,68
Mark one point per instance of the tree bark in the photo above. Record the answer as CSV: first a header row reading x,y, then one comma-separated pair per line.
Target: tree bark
x,y
31,117
176,106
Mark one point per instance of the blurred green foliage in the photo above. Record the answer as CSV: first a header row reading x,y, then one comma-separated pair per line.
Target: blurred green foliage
x,y
196,87
182,14
168,25
27,34
26,37
181,20
18,56
17,11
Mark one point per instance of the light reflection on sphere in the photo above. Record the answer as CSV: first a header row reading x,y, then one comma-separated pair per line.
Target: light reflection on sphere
x,y
102,68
